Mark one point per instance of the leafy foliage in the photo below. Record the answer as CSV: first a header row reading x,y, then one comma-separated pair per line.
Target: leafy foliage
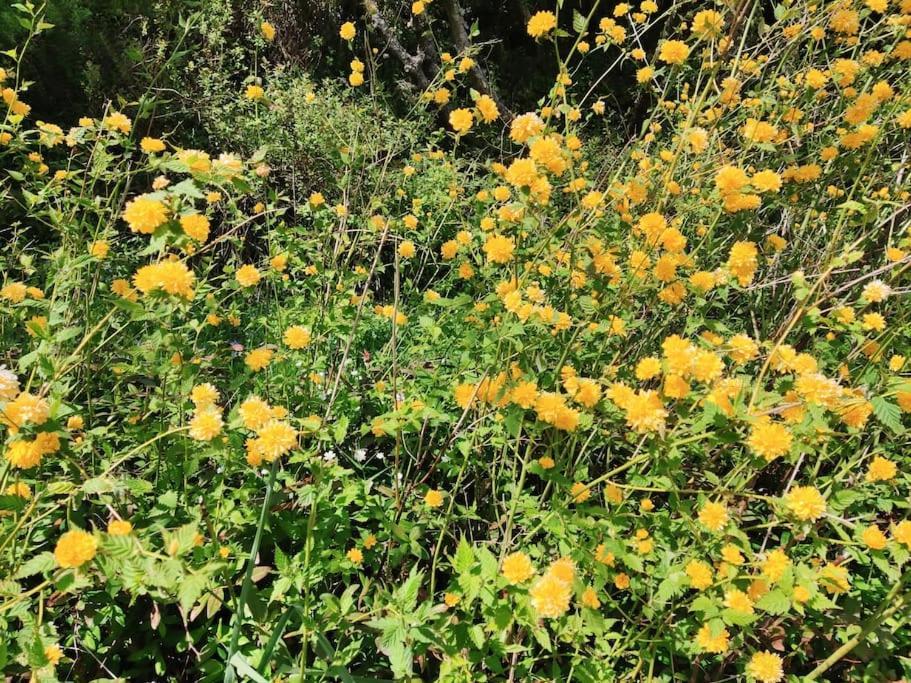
x,y
423,389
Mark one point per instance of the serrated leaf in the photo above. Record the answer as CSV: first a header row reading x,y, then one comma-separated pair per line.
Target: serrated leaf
x,y
400,658
120,547
579,22
463,560
340,429
407,594
39,564
190,589
774,602
671,586
888,414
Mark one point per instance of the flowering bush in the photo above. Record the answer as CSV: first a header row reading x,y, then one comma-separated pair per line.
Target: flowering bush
x,y
517,408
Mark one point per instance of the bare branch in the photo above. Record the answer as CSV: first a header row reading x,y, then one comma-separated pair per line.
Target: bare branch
x,y
461,40
411,63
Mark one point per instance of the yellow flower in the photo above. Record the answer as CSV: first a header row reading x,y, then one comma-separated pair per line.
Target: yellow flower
x,y
296,337
673,52
75,548
645,412
645,74
902,533
54,654
742,262
347,31
647,368
172,277
20,489
835,578
738,601
769,439
499,249
707,24
732,555
881,469
461,120
257,359
806,503
541,23
775,565
267,30
195,225
765,667
522,172
590,598
407,249
433,498
742,348
699,573
204,395
713,516
580,492
451,599
99,249
254,412
144,215
355,556
119,527
151,145
873,321
707,366
550,596
206,424
247,276
716,643
730,179
517,568
524,127
274,439
14,292
801,594
25,409
766,181
119,122
873,538
487,109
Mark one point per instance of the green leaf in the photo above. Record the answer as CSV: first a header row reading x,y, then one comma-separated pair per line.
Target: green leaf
x,y
736,618
407,593
774,602
888,414
401,659
340,429
579,22
190,590
12,502
463,560
671,586
98,485
120,547
244,670
39,564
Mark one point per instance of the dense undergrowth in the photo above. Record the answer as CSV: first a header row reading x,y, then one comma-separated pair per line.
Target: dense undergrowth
x,y
341,393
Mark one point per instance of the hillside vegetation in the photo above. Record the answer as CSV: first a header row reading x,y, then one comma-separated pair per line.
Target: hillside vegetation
x,y
451,342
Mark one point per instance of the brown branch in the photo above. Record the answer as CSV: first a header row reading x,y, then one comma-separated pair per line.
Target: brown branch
x,y
476,75
411,63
